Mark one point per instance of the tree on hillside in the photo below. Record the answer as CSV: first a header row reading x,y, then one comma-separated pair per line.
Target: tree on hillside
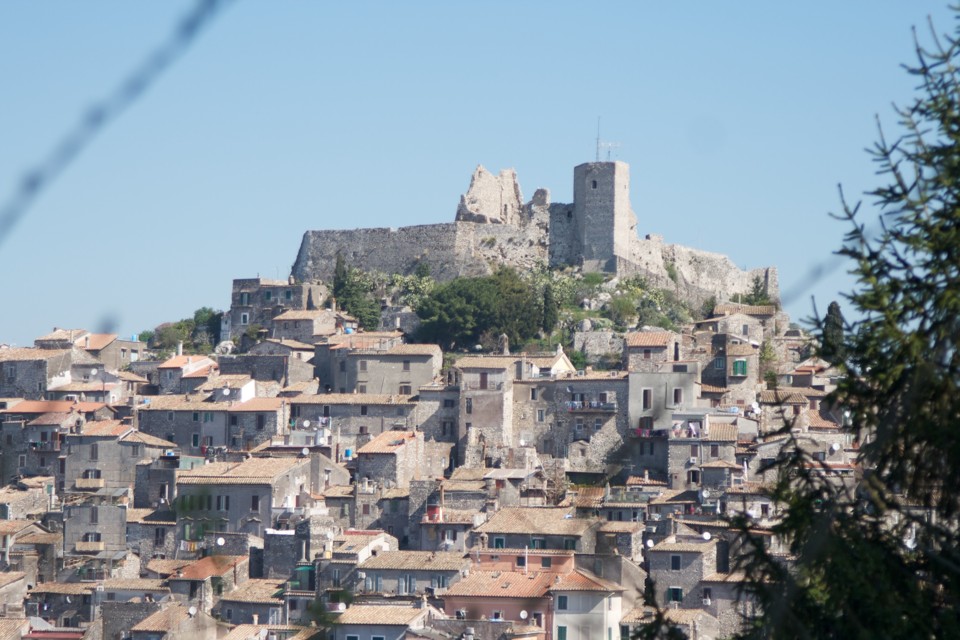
x,y
831,340
883,560
353,291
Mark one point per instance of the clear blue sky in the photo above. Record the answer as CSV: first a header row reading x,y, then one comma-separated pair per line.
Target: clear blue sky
x,y
738,119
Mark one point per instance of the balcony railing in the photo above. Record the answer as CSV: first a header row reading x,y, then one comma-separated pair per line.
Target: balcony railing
x,y
591,406
88,547
89,483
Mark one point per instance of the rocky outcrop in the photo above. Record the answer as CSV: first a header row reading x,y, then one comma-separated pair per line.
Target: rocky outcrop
x,y
492,199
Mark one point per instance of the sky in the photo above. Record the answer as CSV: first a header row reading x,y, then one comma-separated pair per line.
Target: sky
x,y
739,120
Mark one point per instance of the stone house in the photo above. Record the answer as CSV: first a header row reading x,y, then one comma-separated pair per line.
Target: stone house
x,y
538,528
412,573
39,555
193,425
155,485
650,350
678,564
126,589
692,623
13,591
384,621
204,581
256,421
253,601
105,454
151,533
347,421
335,568
402,368
228,388
95,532
27,499
393,458
110,350
283,370
28,373
438,412
243,497
766,314
62,604
746,327
486,407
292,349
722,598
181,374
585,606
522,597
309,325
696,440
175,620
10,532
256,301
329,352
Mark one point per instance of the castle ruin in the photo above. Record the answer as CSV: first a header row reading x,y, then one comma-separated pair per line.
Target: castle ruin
x,y
493,227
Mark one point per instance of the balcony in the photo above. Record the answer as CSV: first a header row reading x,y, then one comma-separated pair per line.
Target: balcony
x,y
88,547
49,445
584,406
89,483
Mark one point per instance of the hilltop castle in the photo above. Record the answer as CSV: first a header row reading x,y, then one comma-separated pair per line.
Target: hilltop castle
x,y
494,226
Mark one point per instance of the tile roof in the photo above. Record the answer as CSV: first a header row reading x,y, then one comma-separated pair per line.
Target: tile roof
x,y
709,388
649,338
64,588
486,362
581,580
722,432
748,309
821,420
13,628
27,354
226,381
351,398
179,362
684,616
203,372
415,350
639,481
178,403
260,631
151,516
54,418
305,314
41,538
105,428
388,442
167,619
672,544
69,335
380,614
417,561
293,344
588,497
782,397
147,439
11,527
725,577
129,376
257,590
135,584
250,471
39,407
9,577
258,404
167,567
207,567
95,341
504,584
620,527
540,520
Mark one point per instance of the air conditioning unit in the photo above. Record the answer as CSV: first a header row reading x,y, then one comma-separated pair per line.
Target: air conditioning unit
x,y
693,460
706,602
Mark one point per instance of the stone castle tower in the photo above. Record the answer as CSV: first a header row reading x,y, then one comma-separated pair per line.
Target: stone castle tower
x,y
604,223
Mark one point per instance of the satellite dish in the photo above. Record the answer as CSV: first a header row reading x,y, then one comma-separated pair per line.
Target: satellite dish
x,y
68,599
192,611
706,535
305,451
522,442
911,543
835,447
706,494
94,372
306,423
523,614
225,392
649,544
220,541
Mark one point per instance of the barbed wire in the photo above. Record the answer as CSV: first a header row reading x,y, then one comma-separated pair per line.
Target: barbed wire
x,y
102,113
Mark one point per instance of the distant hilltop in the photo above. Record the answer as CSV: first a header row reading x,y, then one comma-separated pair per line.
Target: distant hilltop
x,y
494,226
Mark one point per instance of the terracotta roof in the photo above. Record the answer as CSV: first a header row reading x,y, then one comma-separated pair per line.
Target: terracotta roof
x,y
105,428
207,567
612,526
748,309
748,488
486,362
11,527
722,432
634,481
782,397
135,584
54,418
821,420
258,631
167,567
671,544
416,561
41,538
129,376
588,497
39,407
147,439
350,398
709,388
388,442
203,372
95,341
415,350
636,615
540,520
26,354
69,335
9,577
503,584
258,404
293,344
179,403
725,577
684,616
257,590
251,471
581,580
150,516
227,381
13,628
179,362
64,588
338,491
649,339
167,619
380,614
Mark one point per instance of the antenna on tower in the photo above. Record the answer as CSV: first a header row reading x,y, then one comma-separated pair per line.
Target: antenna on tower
x,y
604,145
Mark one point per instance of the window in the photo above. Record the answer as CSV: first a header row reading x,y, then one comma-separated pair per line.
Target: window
x,y
406,390
745,330
406,365
267,295
533,393
361,388
624,632
651,448
677,396
469,405
546,562
579,424
446,428
707,594
720,363
597,424
366,510
675,594
170,416
244,318
288,294
363,365
261,422
674,563
497,615
593,184
647,353
562,631
233,421
159,536
448,403
94,515
195,440
521,561
570,544
714,451
94,451
694,450
326,411
538,543
499,543
230,617
739,367
647,399
343,365
255,503
541,415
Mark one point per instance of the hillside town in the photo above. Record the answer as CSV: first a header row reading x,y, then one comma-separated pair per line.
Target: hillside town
x,y
329,474
312,479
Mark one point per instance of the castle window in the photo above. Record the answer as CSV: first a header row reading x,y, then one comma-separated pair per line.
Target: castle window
x,y
594,184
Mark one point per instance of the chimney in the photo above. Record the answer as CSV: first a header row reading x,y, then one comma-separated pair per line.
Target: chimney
x,y
180,348
256,618
86,342
646,475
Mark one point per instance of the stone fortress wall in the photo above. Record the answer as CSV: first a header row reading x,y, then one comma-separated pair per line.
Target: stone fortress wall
x,y
493,227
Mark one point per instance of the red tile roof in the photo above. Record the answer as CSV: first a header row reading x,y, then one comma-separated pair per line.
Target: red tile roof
x,y
649,339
